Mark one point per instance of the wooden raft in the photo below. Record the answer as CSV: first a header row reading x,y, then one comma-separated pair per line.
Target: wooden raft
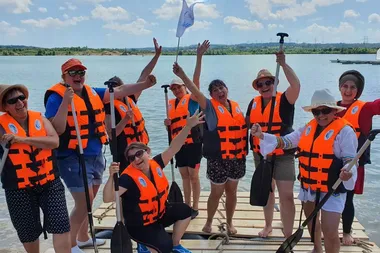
x,y
248,220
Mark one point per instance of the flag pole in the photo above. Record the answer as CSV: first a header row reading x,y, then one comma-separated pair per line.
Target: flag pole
x,y
176,58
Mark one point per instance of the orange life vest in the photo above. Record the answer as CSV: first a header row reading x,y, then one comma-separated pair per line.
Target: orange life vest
x,y
319,167
262,118
69,138
178,115
32,166
153,197
141,132
229,139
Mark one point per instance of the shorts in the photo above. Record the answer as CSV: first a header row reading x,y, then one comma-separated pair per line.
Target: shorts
x,y
189,155
24,209
334,204
220,171
71,173
154,235
284,168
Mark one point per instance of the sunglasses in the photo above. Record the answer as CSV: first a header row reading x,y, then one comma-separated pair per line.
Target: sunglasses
x,y
266,83
72,73
138,154
324,111
13,101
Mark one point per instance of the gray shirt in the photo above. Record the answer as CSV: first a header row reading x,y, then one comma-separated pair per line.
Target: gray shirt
x,y
210,116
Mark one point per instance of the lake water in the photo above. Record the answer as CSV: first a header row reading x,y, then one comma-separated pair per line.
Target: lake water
x,y
314,71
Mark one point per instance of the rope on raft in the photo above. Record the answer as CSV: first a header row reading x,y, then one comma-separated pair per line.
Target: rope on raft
x,y
104,214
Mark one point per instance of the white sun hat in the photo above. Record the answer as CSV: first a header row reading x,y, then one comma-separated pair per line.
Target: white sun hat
x,y
323,98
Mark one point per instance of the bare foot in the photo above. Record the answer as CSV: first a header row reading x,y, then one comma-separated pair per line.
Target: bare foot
x,y
231,229
347,239
207,227
265,232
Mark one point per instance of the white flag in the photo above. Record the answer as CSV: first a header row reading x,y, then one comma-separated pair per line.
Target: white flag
x,y
186,19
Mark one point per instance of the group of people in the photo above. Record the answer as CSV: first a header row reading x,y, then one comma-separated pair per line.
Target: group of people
x,y
41,150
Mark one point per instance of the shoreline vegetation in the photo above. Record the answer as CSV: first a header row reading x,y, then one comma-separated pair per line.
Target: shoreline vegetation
x,y
238,49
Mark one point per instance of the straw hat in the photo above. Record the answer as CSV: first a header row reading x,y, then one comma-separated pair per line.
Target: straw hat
x,y
264,73
72,63
4,88
323,98
176,81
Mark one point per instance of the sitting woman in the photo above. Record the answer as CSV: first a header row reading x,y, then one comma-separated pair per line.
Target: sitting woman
x,y
325,147
144,191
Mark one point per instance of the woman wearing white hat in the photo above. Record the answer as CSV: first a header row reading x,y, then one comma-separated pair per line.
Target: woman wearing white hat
x,y
325,146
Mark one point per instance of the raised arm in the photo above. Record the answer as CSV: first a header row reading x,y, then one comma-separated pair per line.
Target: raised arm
x,y
293,91
149,68
129,89
179,140
200,98
201,50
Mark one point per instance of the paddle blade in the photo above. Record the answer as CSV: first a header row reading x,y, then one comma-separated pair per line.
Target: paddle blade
x,y
175,194
120,241
261,184
288,245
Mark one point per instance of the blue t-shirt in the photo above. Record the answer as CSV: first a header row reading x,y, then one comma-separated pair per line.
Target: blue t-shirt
x,y
193,107
94,146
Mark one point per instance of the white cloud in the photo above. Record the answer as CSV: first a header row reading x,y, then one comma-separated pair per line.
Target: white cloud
x,y
7,29
284,2
172,8
65,16
351,14
200,25
109,14
374,18
70,6
54,22
137,27
16,6
243,24
42,9
361,1
62,8
96,1
338,33
274,26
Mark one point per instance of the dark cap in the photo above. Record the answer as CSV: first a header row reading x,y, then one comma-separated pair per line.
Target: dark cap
x,y
356,77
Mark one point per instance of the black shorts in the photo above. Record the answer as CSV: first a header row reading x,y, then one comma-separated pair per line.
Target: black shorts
x,y
190,155
220,171
24,209
154,235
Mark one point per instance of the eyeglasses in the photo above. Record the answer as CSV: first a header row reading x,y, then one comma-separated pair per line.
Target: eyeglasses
x,y
13,101
138,154
266,83
72,73
324,111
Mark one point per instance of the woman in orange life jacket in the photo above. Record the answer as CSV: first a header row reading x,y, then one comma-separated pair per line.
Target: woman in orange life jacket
x,y
144,191
359,114
189,157
125,131
224,145
284,170
325,147
89,106
30,177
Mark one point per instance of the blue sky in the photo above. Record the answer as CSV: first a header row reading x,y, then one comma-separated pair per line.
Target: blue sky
x,y
133,23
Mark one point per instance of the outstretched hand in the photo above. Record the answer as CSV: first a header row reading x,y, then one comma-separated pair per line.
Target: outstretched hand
x,y
202,48
196,119
178,71
157,48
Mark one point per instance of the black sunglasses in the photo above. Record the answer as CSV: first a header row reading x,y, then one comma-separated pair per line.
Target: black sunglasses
x,y
138,154
267,83
72,73
324,111
13,101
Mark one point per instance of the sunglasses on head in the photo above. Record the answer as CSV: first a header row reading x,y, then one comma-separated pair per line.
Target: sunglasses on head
x,y
266,83
14,100
72,73
324,111
138,154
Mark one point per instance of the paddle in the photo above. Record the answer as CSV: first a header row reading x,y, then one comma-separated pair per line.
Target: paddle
x,y
261,184
4,157
84,176
288,245
133,123
120,241
175,194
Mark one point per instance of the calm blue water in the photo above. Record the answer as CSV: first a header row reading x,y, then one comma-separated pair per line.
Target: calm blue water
x,y
314,71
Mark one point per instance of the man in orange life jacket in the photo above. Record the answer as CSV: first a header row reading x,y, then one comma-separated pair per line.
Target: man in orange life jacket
x,y
90,113
325,146
30,177
359,114
189,157
125,131
284,171
144,190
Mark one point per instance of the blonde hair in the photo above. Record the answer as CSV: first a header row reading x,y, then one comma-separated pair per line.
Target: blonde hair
x,y
136,145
